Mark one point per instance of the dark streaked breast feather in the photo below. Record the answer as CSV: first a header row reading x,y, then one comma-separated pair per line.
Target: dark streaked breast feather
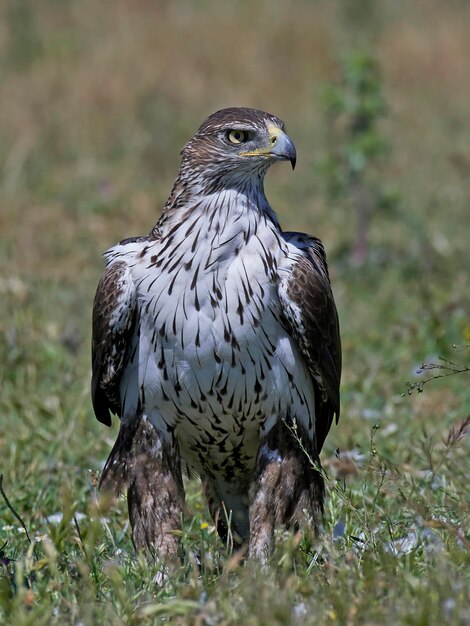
x,y
114,313
318,336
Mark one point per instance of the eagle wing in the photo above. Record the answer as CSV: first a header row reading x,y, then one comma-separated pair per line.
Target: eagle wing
x,y
114,317
311,318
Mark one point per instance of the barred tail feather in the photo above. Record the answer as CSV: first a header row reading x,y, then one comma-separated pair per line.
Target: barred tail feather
x,y
123,460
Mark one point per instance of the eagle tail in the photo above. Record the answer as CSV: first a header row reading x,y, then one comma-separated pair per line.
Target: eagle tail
x,y
121,464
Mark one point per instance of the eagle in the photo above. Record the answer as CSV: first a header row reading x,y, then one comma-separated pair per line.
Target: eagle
x,y
216,342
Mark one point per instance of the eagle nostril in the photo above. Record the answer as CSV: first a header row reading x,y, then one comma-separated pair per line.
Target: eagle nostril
x,y
273,141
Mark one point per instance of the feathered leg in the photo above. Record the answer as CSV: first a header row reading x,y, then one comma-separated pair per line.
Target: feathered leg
x,y
150,470
286,490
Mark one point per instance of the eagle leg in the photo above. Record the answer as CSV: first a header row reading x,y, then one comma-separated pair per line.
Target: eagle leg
x,y
149,469
287,489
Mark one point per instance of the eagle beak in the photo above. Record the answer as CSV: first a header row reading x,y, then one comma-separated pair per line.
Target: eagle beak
x,y
280,146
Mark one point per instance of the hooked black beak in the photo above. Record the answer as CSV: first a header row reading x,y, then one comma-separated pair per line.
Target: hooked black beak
x,y
280,146
283,147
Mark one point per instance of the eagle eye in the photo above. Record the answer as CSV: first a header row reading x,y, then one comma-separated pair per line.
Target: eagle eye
x,y
237,136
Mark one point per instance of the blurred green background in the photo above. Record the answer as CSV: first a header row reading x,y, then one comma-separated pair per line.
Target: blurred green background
x,y
96,101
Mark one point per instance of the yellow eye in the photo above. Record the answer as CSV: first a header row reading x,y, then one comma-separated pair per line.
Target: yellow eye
x,y
237,136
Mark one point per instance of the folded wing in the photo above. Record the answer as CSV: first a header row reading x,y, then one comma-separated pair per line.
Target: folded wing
x,y
312,320
114,317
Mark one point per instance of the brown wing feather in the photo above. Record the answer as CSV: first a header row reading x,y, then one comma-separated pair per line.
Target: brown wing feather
x,y
114,313
312,319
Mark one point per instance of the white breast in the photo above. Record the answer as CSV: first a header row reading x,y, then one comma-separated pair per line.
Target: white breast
x,y
213,365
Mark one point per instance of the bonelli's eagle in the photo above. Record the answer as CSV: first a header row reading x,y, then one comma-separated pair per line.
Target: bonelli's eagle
x,y
216,341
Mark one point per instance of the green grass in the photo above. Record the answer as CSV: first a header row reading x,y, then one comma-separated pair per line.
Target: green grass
x,y
96,102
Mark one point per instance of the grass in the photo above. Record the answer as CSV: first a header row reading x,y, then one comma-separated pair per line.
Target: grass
x,y
96,102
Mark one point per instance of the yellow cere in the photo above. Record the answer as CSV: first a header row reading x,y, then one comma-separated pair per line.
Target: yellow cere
x,y
274,132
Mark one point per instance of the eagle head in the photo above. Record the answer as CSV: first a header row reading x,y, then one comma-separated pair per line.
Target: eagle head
x,y
238,143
